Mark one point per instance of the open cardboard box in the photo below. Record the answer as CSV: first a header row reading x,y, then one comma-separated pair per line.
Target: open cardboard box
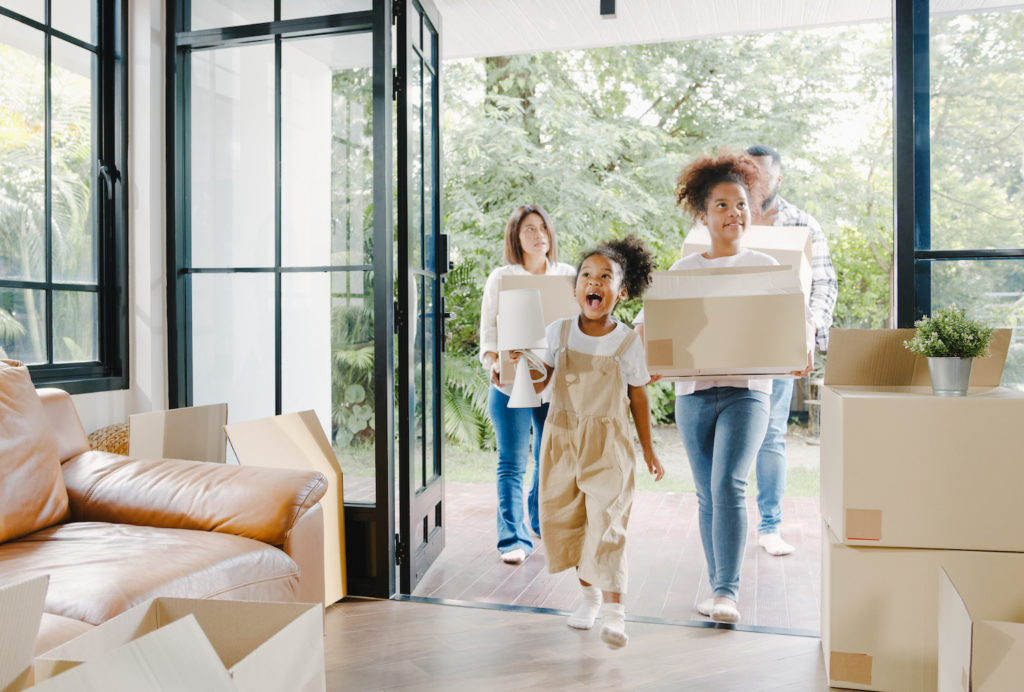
x,y
880,609
981,641
258,647
21,610
298,441
904,468
717,323
557,300
789,245
193,432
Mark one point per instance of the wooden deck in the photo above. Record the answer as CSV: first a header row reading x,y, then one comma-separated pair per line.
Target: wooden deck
x,y
666,562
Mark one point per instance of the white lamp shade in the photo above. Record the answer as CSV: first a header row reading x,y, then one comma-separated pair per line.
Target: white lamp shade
x,y
520,320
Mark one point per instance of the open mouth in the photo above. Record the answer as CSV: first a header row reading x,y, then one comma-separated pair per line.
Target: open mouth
x,y
593,301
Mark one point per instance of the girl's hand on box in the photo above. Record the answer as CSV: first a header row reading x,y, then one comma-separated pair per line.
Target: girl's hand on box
x,y
654,378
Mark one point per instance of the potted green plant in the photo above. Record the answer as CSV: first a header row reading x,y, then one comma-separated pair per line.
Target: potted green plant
x,y
950,341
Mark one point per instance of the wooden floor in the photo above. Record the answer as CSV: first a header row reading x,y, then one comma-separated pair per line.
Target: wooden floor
x,y
666,563
390,645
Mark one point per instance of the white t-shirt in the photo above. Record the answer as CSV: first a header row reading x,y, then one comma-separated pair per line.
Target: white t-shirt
x,y
744,258
489,306
632,365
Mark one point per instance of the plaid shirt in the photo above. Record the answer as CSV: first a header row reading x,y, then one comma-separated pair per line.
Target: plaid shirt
x,y
824,286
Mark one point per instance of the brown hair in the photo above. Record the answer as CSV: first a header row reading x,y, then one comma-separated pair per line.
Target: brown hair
x,y
693,187
513,248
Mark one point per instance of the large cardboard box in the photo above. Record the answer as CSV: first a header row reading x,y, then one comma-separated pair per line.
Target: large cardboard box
x,y
557,301
193,432
901,467
879,609
297,441
789,245
741,321
21,610
264,647
981,642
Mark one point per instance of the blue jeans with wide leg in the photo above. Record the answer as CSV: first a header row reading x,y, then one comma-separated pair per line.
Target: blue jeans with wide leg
x,y
771,459
721,429
512,432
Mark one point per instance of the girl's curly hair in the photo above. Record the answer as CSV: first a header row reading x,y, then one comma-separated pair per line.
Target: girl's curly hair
x,y
632,256
695,182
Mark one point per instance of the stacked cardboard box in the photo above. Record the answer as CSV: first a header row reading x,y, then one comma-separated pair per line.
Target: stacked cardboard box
x,y
557,300
911,484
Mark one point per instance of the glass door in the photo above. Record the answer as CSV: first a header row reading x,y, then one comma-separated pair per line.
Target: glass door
x,y
422,259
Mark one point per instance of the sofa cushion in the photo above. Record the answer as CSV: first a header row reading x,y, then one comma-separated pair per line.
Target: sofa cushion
x,y
32,493
98,570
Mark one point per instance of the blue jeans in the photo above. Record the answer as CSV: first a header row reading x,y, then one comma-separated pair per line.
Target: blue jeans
x,y
771,459
512,431
721,429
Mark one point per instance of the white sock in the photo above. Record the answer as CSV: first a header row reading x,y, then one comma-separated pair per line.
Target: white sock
x,y
774,545
725,610
706,606
613,629
584,616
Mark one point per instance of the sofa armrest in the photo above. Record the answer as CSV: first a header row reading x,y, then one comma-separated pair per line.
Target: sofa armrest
x,y
305,545
254,502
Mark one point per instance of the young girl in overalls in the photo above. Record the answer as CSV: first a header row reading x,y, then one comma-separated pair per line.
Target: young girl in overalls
x,y
598,373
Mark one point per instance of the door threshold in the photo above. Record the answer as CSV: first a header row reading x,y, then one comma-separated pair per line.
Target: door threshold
x,y
701,624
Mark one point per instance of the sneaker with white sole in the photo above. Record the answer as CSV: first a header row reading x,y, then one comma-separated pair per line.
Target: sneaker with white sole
x,y
706,606
725,610
774,545
514,557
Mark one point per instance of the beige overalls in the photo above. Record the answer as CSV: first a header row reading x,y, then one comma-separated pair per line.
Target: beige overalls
x,y
586,467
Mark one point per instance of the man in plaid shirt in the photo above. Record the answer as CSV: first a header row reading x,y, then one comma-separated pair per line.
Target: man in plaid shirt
x,y
771,458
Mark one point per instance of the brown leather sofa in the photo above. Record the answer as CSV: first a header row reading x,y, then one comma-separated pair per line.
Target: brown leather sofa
x,y
112,531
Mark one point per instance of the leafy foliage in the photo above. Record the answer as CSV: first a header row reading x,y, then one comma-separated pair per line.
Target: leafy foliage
x,y
949,334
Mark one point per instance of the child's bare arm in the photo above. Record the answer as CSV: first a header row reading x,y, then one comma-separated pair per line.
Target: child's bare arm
x,y
640,407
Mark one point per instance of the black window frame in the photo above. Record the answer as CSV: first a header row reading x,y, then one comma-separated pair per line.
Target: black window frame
x,y
110,371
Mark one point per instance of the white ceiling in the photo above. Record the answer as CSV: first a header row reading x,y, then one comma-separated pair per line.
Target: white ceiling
x,y
480,28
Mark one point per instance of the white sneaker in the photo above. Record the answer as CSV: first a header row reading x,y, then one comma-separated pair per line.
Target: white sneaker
x,y
514,557
706,606
725,610
774,545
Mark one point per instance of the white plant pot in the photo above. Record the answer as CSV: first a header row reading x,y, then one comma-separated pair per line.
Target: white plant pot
x,y
950,376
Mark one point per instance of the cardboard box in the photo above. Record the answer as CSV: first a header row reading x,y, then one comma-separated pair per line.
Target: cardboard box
x,y
904,468
741,321
297,441
21,610
195,432
557,299
981,643
879,609
174,658
262,647
789,245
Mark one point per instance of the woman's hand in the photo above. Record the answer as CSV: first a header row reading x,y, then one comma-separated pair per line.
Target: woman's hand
x,y
807,370
654,378
493,367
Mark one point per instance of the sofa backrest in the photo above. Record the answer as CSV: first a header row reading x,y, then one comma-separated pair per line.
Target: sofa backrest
x,y
32,492
65,423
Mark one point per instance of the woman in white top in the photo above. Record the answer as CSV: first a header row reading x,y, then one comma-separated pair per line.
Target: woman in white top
x,y
530,248
722,423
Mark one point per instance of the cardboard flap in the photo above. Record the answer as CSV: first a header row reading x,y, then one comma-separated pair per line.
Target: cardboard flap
x,y
174,658
721,282
954,653
21,609
194,432
998,656
878,358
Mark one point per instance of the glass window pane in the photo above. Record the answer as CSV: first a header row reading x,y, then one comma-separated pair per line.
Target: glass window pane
x,y
33,9
429,127
977,99
232,150
292,9
23,325
991,291
213,14
233,350
415,162
73,163
429,378
75,319
352,381
22,156
419,399
429,41
327,150
75,17
413,26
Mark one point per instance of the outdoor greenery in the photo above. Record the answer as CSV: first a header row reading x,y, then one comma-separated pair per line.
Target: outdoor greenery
x,y
949,333
598,136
